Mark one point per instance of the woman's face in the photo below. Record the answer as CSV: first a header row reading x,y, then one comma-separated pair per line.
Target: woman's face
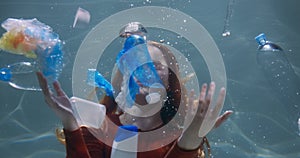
x,y
160,63
139,111
162,70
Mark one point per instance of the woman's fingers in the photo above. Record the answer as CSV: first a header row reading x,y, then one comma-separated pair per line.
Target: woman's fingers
x,y
203,92
219,103
58,89
223,118
191,105
43,84
221,96
205,98
210,92
203,105
207,116
59,103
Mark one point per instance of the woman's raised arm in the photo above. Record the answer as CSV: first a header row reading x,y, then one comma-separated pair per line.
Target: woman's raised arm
x,y
59,103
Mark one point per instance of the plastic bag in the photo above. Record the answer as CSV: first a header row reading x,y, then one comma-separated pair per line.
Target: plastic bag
x,y
33,39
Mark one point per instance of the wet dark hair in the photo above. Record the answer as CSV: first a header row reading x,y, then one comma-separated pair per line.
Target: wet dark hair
x,y
174,87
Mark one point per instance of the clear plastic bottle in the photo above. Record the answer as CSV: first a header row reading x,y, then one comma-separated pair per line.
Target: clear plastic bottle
x,y
135,61
21,75
133,28
280,73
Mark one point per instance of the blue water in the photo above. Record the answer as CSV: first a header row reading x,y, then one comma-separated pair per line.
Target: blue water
x,y
260,126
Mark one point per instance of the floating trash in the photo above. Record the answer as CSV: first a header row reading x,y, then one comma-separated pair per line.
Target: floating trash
x,y
21,76
299,126
82,18
226,31
95,78
33,39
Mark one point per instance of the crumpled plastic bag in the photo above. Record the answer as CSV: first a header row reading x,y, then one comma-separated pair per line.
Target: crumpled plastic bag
x,y
33,39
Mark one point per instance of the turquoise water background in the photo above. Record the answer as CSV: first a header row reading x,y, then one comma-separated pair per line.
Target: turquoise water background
x,y
260,126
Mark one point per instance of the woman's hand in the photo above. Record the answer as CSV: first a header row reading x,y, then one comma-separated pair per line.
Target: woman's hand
x,y
59,103
205,118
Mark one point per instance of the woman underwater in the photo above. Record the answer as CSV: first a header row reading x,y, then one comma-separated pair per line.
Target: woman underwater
x,y
83,142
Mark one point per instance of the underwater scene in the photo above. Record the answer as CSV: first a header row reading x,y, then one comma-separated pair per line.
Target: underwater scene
x,y
249,47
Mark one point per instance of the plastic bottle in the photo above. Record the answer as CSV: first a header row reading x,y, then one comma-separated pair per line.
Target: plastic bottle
x,y
280,73
299,126
50,61
135,61
94,78
21,75
36,40
133,28
125,142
